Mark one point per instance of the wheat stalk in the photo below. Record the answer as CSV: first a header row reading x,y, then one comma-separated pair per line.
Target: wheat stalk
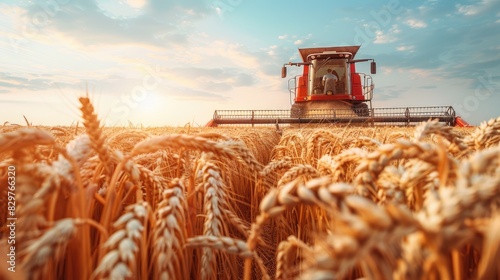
x,y
219,214
488,266
284,262
228,245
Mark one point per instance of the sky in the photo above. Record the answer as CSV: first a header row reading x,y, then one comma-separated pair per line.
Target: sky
x,y
173,63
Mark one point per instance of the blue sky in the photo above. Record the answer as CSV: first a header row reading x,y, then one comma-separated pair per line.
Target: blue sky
x,y
174,62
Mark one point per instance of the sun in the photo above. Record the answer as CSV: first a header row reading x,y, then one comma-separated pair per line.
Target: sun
x,y
149,103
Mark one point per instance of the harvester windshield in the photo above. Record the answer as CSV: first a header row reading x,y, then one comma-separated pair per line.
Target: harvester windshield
x,y
320,81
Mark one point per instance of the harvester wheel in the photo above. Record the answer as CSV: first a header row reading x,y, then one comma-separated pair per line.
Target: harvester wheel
x,y
297,111
361,109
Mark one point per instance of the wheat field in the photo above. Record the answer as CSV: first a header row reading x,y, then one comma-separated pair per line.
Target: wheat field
x,y
90,202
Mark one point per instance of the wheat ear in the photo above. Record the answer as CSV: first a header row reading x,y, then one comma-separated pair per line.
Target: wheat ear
x,y
170,234
319,191
52,244
300,170
94,131
359,229
124,244
25,137
486,135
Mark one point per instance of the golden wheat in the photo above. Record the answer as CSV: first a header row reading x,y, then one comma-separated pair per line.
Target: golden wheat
x,y
228,203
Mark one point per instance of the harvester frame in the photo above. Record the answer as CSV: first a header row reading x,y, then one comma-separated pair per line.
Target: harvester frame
x,y
344,98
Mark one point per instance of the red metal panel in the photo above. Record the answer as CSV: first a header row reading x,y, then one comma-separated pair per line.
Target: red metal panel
x,y
357,87
301,90
329,97
461,122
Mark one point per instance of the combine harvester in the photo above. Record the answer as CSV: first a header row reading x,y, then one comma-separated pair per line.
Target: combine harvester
x,y
342,97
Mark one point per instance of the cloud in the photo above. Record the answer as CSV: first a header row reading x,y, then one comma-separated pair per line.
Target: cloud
x,y
137,4
450,50
272,50
382,38
165,23
125,57
413,23
387,93
19,102
228,54
427,87
390,36
472,10
190,94
301,40
210,79
10,83
420,73
87,41
467,10
403,48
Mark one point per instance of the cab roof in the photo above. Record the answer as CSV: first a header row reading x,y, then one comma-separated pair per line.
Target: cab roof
x,y
304,52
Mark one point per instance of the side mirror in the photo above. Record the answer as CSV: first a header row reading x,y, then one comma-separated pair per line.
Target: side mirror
x,y
373,67
283,72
